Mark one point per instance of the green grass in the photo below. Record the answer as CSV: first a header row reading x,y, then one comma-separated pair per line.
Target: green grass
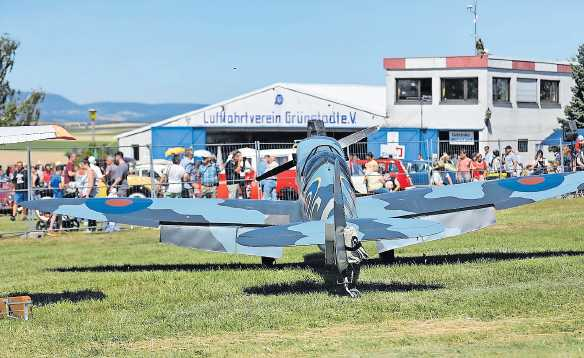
x,y
514,289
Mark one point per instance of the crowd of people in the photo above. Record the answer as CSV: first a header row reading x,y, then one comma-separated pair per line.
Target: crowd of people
x,y
199,177
77,178
491,164
194,177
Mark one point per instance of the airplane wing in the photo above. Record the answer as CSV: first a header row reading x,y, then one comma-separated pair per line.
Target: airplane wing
x,y
156,212
466,207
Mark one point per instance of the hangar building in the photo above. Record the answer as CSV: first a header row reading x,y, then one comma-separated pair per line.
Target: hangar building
x,y
274,114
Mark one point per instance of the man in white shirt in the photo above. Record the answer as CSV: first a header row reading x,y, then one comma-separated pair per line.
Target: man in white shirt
x,y
174,176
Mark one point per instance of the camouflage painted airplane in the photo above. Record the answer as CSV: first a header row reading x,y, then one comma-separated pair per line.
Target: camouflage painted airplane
x,y
327,212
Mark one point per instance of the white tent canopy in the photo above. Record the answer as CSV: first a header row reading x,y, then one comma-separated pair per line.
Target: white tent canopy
x,y
22,134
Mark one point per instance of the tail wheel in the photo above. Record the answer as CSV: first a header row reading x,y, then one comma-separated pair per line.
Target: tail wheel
x,y
268,261
387,257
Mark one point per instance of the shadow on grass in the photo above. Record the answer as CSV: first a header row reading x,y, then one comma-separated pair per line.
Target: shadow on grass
x,y
315,261
41,299
304,287
177,267
471,257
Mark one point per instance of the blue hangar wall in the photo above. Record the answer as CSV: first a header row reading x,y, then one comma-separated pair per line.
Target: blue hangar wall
x,y
164,138
415,141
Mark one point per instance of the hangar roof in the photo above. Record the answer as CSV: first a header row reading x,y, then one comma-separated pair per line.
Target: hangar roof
x,y
365,98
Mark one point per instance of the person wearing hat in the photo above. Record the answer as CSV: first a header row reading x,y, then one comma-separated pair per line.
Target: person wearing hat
x,y
96,170
209,174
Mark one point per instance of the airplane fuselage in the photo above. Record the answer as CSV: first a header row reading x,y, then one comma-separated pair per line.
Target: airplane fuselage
x,y
315,172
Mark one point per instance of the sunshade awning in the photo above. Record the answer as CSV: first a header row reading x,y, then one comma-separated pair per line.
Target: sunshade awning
x,y
556,137
22,134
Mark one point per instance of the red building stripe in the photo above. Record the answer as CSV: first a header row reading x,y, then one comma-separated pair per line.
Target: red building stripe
x,y
394,63
524,65
564,68
466,61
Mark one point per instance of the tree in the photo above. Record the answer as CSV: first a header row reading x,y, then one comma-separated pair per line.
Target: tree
x,y
575,110
14,109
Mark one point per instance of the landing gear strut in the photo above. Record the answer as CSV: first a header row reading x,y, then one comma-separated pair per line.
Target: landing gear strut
x,y
268,261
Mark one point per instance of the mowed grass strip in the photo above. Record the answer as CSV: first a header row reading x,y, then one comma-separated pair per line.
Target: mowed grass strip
x,y
516,288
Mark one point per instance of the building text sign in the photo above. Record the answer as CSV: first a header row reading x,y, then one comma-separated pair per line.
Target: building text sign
x,y
275,119
461,137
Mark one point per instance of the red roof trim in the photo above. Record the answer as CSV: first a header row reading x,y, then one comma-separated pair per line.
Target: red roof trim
x,y
466,61
564,68
394,63
524,65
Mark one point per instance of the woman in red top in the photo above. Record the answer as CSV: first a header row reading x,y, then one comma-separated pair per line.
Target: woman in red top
x,y
47,172
478,168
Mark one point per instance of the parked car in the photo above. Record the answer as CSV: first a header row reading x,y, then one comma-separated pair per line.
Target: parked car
x,y
394,167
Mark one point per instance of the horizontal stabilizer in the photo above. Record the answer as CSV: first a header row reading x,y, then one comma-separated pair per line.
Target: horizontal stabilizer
x,y
313,232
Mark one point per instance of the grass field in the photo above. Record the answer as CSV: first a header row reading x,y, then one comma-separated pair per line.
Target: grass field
x,y
514,289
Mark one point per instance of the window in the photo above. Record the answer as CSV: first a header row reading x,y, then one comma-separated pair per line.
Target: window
x,y
501,89
549,91
136,151
522,145
414,89
460,89
526,90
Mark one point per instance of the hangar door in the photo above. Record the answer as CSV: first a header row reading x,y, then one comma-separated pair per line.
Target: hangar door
x,y
164,138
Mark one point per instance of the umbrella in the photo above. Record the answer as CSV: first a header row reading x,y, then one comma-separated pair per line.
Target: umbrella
x,y
174,151
202,153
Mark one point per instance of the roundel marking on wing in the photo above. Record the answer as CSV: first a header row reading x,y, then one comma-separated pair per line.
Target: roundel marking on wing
x,y
532,183
118,205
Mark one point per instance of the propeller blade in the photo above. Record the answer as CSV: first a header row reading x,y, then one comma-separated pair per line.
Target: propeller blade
x,y
277,170
357,136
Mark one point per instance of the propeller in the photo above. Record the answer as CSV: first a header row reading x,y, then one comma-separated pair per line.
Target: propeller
x,y
277,170
357,136
344,142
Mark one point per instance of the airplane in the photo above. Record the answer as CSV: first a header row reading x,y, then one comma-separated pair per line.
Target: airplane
x,y
327,214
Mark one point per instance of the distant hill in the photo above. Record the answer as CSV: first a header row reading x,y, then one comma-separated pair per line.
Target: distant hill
x,y
56,108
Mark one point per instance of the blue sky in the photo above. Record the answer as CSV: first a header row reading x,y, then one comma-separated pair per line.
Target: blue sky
x,y
185,51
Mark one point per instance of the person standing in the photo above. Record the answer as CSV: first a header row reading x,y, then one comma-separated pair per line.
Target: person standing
x,y
96,169
463,167
119,175
539,165
69,171
188,163
478,168
20,181
510,162
488,157
174,176
269,184
90,189
209,174
233,170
